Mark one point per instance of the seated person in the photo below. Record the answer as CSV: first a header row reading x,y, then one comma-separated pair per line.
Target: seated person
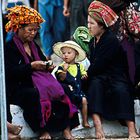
x,y
70,73
110,89
28,81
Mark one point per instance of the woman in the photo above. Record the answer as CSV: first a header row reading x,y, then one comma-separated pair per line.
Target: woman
x,y
110,90
29,83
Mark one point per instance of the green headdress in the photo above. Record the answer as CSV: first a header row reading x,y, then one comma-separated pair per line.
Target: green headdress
x,y
82,37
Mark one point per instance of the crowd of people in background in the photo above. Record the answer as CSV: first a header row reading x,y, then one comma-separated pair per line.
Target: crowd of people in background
x,y
74,30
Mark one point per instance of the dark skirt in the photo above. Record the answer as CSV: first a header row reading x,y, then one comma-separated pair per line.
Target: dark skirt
x,y
59,118
111,97
28,100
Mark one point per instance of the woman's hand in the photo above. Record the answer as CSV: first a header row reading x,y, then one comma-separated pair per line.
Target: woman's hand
x,y
38,65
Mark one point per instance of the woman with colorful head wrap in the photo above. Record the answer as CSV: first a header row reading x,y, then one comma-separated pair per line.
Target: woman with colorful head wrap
x,y
29,83
110,90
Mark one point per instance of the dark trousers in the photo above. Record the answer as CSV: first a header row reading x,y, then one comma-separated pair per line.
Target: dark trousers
x,y
111,97
28,100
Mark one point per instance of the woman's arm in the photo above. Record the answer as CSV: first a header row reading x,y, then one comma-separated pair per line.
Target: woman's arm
x,y
36,5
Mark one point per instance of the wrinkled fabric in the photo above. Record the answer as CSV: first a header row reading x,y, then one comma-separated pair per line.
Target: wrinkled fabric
x,y
128,47
82,37
48,87
102,13
22,15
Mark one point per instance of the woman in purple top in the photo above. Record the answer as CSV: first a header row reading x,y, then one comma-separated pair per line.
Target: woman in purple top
x,y
30,84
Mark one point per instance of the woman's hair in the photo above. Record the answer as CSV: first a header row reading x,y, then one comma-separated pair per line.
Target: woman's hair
x,y
24,25
101,24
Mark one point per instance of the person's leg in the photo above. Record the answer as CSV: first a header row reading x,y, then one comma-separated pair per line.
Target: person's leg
x,y
13,137
14,129
132,130
139,3
46,36
67,134
124,103
99,133
95,98
28,99
32,109
59,24
9,116
45,136
84,113
77,7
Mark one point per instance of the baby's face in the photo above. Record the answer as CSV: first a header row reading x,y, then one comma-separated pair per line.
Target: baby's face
x,y
69,55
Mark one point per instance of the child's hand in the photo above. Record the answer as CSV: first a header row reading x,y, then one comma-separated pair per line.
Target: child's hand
x,y
65,66
84,77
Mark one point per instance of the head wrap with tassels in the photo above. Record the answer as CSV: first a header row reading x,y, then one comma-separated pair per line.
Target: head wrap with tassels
x,y
22,14
102,13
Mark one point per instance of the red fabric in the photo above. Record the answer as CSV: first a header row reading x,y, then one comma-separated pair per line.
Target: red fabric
x,y
133,20
103,13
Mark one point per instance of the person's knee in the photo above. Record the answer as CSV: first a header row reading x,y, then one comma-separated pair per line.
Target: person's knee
x,y
122,92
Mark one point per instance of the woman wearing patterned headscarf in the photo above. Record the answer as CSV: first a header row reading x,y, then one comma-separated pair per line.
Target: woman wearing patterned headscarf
x,y
110,90
29,83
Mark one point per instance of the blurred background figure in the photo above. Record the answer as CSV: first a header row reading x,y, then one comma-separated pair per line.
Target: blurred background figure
x,y
126,39
77,11
53,29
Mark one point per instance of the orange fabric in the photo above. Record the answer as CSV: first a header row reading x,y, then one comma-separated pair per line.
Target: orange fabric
x,y
22,15
102,13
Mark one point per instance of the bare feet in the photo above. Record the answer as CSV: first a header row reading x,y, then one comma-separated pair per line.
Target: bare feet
x,y
45,136
67,134
133,135
14,129
132,130
99,132
85,124
13,137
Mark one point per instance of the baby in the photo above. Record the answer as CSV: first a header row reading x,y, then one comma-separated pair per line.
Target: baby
x,y
70,73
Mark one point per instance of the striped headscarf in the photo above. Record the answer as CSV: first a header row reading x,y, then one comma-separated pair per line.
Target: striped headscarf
x,y
22,14
102,13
